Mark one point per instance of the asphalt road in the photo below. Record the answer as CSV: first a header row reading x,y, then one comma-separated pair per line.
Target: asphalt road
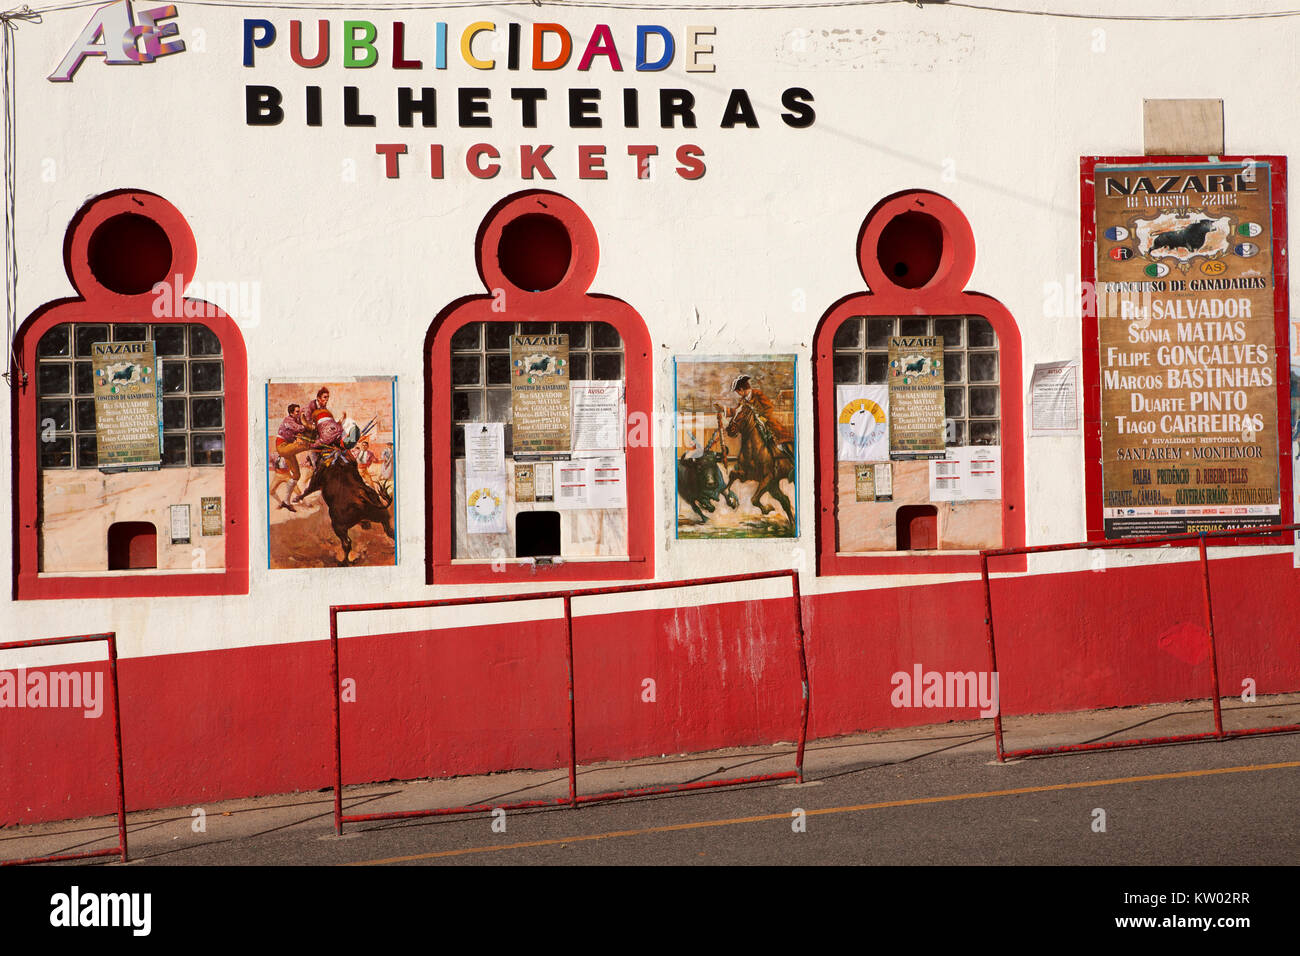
x,y
1236,802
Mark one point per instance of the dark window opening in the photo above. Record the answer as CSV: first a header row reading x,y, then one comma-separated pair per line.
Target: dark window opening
x,y
132,546
917,528
537,534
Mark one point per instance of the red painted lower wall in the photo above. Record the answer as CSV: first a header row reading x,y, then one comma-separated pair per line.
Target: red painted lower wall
x,y
220,724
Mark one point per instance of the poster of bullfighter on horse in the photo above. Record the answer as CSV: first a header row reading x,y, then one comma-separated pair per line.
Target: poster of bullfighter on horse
x,y
736,454
331,472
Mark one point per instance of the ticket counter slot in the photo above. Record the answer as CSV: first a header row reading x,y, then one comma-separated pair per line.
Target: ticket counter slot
x,y
537,534
132,546
917,528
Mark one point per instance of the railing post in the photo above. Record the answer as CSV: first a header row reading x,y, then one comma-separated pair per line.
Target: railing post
x,y
117,741
338,732
1209,628
803,676
993,655
573,720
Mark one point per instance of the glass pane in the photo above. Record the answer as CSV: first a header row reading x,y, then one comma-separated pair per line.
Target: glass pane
x,y
498,334
54,342
577,366
85,414
984,401
54,378
984,433
848,369
849,334
205,413
952,367
205,376
535,328
605,336
981,334
85,379
173,376
207,449
465,339
203,341
952,402
498,405
950,329
576,331
983,366
87,451
878,333
60,413
128,333
173,413
607,366
878,368
88,335
464,370
57,453
174,451
169,339
458,442
498,369
466,406
913,326
954,431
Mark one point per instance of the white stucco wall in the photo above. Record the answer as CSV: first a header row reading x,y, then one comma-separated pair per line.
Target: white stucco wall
x,y
993,110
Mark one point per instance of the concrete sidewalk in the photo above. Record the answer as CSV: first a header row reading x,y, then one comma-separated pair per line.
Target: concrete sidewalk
x,y
155,835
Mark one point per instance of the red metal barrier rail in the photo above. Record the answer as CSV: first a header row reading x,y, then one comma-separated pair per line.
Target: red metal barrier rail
x,y
573,799
1145,542
120,849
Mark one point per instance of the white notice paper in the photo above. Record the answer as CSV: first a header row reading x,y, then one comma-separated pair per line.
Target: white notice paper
x,y
180,519
1054,399
946,476
608,477
485,478
572,488
967,473
862,422
485,448
596,416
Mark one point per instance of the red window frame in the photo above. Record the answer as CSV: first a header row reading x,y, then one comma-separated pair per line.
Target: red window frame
x,y
941,295
1091,335
98,305
568,301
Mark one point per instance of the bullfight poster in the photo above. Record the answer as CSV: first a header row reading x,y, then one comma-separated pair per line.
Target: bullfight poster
x,y
539,395
737,458
128,420
331,473
862,423
1187,345
916,411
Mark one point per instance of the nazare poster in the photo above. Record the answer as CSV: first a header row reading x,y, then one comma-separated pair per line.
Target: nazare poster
x,y
540,406
127,413
1187,346
916,411
736,452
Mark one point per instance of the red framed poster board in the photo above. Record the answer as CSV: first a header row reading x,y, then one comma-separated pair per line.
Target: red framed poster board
x,y
1185,345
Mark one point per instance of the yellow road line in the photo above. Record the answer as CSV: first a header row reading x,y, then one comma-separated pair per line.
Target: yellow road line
x,y
858,808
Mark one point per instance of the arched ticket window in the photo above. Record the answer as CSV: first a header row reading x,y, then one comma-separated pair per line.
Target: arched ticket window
x,y
149,502
919,442
510,497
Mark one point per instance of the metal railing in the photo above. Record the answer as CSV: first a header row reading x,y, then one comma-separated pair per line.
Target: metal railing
x,y
120,849
574,798
1123,543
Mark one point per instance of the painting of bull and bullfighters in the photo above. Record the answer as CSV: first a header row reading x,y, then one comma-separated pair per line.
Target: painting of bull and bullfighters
x,y
736,454
331,473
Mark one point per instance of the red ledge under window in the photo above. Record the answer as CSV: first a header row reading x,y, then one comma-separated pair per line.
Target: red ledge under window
x,y
1091,336
567,301
99,305
940,294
